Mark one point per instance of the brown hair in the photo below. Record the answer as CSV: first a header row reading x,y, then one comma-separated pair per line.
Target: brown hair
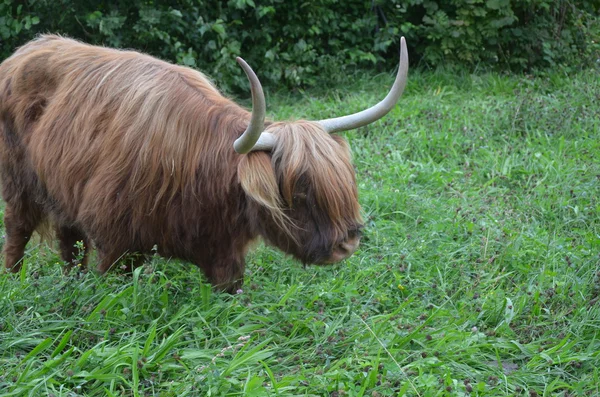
x,y
129,152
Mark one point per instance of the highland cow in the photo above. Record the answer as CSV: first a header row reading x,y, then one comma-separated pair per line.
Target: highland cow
x,y
128,154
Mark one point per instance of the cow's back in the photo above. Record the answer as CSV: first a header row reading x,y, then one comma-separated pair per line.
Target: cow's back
x,y
107,139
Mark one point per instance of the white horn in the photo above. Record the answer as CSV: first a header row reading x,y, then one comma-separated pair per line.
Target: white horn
x,y
376,112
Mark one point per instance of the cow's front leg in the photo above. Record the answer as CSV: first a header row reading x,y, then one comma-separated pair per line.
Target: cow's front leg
x,y
72,252
20,220
227,276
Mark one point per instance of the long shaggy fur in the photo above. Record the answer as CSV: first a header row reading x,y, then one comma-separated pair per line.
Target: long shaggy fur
x,y
128,152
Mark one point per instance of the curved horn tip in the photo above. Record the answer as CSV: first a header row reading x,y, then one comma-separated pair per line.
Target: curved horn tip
x,y
374,113
243,63
252,134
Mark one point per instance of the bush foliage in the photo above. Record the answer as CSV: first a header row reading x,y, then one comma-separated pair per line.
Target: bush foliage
x,y
294,43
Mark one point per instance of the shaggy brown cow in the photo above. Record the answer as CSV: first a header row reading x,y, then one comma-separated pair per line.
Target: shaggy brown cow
x,y
127,152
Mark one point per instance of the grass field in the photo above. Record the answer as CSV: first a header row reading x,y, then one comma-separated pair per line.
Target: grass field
x,y
478,274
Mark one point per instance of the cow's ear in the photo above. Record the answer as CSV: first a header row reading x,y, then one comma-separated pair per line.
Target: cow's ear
x,y
257,178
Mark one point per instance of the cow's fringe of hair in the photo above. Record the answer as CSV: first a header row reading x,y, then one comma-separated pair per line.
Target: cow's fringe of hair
x,y
304,151
257,178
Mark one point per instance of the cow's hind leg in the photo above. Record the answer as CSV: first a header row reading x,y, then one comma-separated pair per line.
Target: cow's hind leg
x,y
20,221
73,246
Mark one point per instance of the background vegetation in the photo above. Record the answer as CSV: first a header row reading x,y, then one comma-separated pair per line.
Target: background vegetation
x,y
295,43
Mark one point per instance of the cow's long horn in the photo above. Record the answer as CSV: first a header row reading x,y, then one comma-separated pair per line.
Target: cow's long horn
x,y
254,138
376,112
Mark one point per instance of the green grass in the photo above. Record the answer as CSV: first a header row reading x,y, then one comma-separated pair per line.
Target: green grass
x,y
479,271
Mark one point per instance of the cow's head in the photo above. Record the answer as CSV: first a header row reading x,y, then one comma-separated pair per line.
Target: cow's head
x,y
300,178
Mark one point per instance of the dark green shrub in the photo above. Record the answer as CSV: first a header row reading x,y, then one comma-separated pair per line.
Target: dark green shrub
x,y
520,34
299,43
15,24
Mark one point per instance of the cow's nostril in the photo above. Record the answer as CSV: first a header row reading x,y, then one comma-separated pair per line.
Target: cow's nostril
x,y
348,247
343,250
352,243
345,247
